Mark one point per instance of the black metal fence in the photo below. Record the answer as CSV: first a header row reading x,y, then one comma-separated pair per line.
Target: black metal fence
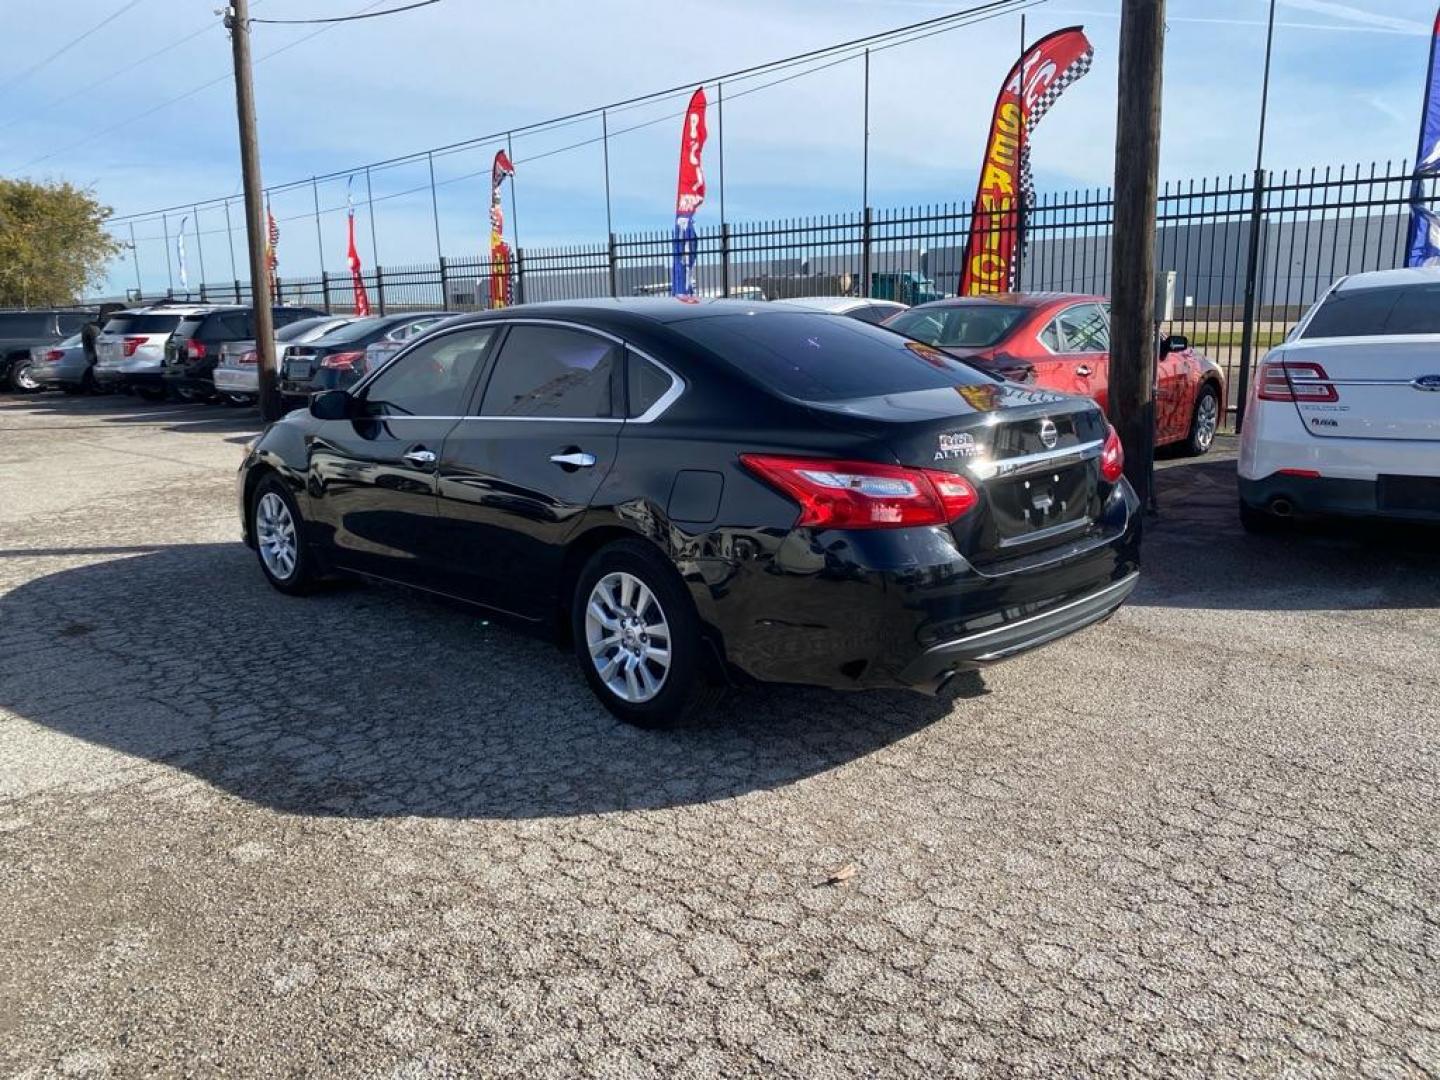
x,y
1312,227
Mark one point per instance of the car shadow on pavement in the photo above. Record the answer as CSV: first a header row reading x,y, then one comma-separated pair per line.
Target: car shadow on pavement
x,y
102,410
367,701
1196,555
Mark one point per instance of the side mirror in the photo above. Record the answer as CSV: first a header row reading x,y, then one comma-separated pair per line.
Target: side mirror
x,y
1174,343
333,405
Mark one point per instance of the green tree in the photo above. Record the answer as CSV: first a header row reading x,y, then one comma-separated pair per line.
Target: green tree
x,y
53,243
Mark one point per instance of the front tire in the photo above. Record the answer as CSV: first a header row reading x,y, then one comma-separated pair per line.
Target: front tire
x,y
22,381
637,636
1204,421
279,533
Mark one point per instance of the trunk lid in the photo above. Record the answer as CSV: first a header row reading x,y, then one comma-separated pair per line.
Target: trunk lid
x,y
1378,387
1032,455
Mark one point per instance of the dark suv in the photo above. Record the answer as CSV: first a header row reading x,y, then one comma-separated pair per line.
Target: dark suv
x,y
194,348
21,331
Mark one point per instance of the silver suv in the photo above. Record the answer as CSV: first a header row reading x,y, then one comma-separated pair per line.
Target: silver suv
x,y
130,351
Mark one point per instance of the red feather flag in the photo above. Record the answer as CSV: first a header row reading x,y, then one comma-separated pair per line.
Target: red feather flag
x,y
352,259
992,252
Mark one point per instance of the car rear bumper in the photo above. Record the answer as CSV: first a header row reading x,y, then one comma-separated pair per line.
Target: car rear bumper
x,y
904,609
1402,498
237,380
61,374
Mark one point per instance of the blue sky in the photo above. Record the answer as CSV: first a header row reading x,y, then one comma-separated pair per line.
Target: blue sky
x,y
1346,87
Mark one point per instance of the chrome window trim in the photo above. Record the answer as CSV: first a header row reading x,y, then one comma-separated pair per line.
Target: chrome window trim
x,y
1045,459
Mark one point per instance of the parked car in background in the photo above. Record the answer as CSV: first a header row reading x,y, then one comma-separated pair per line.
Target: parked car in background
x,y
377,352
194,348
237,372
905,287
706,487
62,366
1061,341
338,359
1344,416
130,350
23,331
854,307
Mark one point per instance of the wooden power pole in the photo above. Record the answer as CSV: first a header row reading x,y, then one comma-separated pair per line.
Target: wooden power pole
x,y
237,19
1132,282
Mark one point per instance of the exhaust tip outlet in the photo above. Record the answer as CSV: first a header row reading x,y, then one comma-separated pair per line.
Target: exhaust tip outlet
x,y
1282,507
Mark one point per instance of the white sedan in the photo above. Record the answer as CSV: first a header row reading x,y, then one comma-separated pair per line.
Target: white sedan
x,y
1344,416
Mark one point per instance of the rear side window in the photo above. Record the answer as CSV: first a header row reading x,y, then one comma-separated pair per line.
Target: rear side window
x,y
1084,329
812,357
646,384
1408,309
189,327
552,371
27,324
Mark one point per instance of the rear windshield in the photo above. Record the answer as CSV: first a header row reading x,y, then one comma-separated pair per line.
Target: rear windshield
x,y
1404,309
815,357
356,331
142,324
296,330
959,326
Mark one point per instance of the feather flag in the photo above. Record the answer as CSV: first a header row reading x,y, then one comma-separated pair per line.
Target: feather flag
x,y
1035,83
689,194
272,258
500,285
1424,245
180,254
352,258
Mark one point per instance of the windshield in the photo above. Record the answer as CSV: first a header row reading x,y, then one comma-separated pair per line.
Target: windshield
x,y
142,324
816,357
1400,309
959,326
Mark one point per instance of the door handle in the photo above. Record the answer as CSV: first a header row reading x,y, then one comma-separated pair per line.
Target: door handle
x,y
574,459
420,456
1082,370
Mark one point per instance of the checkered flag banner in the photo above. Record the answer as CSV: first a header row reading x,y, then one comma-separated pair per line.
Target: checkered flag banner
x,y
993,249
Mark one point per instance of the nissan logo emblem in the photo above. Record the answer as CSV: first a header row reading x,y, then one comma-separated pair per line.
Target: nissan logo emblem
x,y
1049,435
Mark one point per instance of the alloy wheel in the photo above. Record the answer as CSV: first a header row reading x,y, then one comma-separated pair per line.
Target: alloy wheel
x,y
24,380
628,637
275,533
1207,421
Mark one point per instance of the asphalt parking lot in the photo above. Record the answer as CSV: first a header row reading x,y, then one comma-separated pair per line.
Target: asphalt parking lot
x,y
366,834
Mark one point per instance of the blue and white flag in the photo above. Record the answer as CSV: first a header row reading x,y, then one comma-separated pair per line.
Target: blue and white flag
x,y
1424,222
180,254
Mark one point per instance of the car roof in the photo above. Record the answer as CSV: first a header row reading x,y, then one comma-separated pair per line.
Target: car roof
x,y
1383,279
838,304
1017,299
635,310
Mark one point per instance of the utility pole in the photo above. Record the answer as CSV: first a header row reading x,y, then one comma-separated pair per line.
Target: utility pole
x,y
1132,289
1257,223
237,20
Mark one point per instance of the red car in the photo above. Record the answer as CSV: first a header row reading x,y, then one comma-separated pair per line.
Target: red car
x,y
1061,341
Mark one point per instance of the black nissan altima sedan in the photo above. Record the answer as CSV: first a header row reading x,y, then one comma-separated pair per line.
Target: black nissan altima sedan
x,y
691,492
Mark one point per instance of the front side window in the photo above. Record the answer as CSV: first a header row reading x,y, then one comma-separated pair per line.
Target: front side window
x,y
432,379
552,371
1084,329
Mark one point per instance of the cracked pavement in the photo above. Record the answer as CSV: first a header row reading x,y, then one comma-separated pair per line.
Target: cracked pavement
x,y
368,834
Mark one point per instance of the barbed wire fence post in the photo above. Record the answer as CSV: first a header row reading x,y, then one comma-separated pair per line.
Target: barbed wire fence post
x,y
434,202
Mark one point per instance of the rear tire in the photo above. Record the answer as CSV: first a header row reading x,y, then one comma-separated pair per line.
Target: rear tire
x,y
21,379
637,636
279,533
1204,421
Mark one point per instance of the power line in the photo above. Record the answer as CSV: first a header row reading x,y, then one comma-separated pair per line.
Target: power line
x,y
129,120
975,13
895,40
69,45
347,18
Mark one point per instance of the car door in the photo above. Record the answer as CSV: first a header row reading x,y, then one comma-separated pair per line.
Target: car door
x,y
374,476
517,475
1081,365
1177,381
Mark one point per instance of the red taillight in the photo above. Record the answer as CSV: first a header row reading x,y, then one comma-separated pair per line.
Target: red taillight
x,y
1112,458
342,361
248,358
54,355
1304,474
130,344
1290,380
865,494
195,350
